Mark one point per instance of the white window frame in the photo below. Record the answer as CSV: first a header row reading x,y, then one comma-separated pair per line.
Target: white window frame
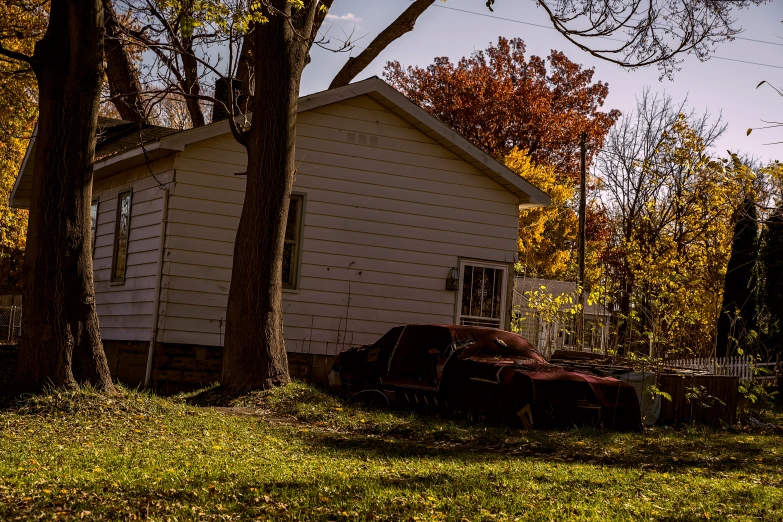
x,y
503,288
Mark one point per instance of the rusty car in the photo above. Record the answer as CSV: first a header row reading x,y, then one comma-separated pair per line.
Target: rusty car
x,y
484,373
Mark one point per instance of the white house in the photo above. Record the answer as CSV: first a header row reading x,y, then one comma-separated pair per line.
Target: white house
x,y
388,204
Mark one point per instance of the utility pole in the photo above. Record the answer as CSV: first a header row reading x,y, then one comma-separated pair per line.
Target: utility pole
x,y
580,283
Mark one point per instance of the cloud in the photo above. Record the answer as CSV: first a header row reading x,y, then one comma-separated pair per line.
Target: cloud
x,y
347,17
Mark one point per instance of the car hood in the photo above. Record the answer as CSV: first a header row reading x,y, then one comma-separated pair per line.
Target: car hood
x,y
551,382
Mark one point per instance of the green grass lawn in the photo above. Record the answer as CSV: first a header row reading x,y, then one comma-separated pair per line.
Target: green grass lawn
x,y
302,454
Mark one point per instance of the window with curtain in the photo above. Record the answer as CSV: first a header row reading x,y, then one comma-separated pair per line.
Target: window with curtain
x,y
121,232
94,223
293,241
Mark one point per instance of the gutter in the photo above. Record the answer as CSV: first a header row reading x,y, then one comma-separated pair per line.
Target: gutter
x,y
158,283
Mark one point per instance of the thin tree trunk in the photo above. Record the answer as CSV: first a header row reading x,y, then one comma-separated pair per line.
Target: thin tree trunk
x,y
254,355
60,343
192,86
626,324
403,24
245,72
122,76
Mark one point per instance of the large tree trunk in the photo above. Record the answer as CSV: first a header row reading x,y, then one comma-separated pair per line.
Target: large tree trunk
x,y
254,355
60,343
122,76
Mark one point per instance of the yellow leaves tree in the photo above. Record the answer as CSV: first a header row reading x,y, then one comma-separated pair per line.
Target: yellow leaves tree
x,y
548,235
21,23
671,205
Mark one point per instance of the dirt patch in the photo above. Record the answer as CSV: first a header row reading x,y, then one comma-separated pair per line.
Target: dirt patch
x,y
240,411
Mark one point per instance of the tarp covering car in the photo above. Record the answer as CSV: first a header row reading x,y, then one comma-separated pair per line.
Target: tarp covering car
x,y
485,373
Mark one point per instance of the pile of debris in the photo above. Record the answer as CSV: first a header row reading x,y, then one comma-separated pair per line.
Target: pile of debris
x,y
667,394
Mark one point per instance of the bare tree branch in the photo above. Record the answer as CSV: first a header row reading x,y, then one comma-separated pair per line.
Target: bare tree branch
x,y
403,24
21,57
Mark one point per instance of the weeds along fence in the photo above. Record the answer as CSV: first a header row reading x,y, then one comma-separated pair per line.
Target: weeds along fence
x,y
742,366
10,324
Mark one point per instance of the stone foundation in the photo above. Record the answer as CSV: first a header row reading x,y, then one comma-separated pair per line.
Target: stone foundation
x,y
183,367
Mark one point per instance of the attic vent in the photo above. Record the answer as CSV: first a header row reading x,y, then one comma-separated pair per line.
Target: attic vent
x,y
362,139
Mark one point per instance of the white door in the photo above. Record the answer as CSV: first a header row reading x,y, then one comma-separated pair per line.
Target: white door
x,y
481,300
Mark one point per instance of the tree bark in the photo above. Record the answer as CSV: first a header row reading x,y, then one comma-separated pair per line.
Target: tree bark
x,y
254,355
60,343
192,86
245,72
122,76
403,24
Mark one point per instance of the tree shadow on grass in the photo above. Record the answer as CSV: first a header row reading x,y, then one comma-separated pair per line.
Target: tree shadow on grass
x,y
404,434
636,452
220,496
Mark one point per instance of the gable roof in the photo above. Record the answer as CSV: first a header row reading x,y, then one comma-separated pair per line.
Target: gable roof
x,y
116,136
113,137
161,144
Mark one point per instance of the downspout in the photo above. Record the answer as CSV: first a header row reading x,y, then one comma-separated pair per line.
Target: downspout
x,y
158,281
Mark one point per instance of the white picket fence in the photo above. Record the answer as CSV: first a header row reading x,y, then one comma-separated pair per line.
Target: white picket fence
x,y
740,366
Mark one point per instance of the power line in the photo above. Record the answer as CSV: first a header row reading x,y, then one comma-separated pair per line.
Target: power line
x,y
751,63
485,15
758,41
495,17
553,29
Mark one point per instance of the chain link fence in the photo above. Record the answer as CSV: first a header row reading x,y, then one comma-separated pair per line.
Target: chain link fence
x,y
10,324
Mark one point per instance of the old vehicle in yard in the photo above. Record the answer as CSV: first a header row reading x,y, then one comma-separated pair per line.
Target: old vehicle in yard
x,y
484,373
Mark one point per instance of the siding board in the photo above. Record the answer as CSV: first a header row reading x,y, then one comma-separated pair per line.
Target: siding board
x,y
364,127
125,310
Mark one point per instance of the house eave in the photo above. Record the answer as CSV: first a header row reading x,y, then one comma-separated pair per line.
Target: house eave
x,y
16,200
528,195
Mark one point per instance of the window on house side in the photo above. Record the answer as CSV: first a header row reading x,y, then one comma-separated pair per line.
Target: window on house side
x,y
94,222
293,241
121,231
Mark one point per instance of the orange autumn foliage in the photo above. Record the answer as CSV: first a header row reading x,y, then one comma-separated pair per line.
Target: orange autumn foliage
x,y
501,100
21,24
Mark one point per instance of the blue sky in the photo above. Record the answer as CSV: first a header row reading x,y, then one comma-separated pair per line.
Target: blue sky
x,y
719,85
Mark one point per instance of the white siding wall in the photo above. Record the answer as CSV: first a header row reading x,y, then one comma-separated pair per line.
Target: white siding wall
x,y
125,309
386,222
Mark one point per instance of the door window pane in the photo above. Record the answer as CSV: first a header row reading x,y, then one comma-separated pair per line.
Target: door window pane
x,y
482,295
467,294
